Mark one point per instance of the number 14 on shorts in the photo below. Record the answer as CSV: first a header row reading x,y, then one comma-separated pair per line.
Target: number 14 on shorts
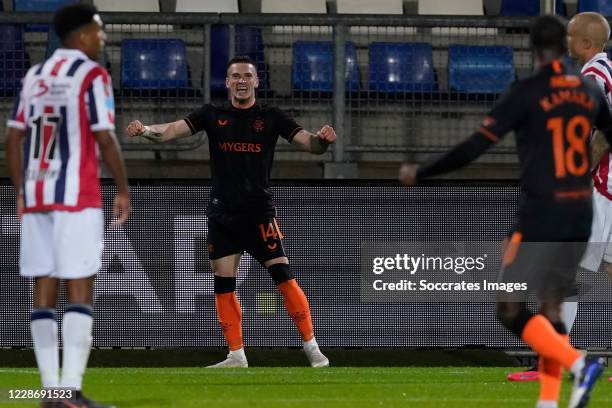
x,y
270,231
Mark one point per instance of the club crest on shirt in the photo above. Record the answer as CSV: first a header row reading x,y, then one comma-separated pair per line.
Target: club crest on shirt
x,y
40,88
258,125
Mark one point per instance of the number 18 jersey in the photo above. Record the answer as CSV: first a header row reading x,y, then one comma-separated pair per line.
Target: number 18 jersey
x,y
63,101
552,113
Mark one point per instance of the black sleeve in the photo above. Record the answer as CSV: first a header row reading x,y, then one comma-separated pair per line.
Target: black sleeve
x,y
507,114
603,121
199,119
286,127
457,157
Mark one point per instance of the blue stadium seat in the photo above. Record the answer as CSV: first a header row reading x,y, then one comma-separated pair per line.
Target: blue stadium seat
x,y
248,41
527,8
600,6
14,61
401,67
39,5
154,64
480,69
313,67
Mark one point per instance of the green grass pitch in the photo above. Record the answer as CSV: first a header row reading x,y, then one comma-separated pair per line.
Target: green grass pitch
x,y
302,387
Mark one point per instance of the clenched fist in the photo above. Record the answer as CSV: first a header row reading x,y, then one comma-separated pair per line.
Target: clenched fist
x,y
135,128
327,134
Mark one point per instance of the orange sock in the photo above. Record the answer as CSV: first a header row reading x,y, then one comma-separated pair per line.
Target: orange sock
x,y
551,376
542,337
230,318
298,308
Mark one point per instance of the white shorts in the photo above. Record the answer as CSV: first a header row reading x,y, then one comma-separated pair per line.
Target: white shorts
x,y
62,244
600,246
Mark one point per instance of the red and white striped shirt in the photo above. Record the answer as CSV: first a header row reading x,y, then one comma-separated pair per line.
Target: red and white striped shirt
x,y
599,68
62,102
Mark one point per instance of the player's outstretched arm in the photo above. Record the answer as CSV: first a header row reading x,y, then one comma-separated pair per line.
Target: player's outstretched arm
x,y
459,156
14,141
159,133
509,110
315,143
111,154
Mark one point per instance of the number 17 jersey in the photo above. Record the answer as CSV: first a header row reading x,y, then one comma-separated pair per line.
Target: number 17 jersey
x,y
63,101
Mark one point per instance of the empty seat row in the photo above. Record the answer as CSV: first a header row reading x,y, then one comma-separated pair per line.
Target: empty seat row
x,y
404,68
425,7
393,67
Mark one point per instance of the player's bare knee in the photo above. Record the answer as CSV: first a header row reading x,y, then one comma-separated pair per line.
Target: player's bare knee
x,y
45,293
226,267
80,291
279,260
224,272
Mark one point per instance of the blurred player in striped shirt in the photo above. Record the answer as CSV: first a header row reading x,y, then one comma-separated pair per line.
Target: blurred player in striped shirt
x,y
588,34
587,37
63,118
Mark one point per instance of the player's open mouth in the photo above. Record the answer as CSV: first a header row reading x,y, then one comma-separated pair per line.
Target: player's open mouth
x,y
242,88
